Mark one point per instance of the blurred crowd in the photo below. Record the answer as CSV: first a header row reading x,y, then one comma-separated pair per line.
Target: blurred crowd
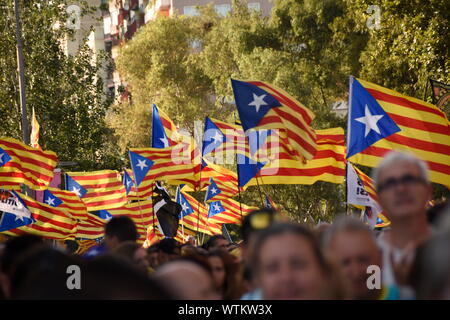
x,y
275,258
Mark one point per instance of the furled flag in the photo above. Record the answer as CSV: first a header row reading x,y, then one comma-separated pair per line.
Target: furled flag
x,y
327,165
219,189
99,190
20,163
13,211
151,164
49,222
56,197
381,120
34,136
194,215
263,106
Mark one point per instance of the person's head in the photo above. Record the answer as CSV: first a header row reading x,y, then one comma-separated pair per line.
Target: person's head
x,y
402,185
224,271
430,271
168,249
217,242
187,279
134,253
351,245
120,229
287,263
152,256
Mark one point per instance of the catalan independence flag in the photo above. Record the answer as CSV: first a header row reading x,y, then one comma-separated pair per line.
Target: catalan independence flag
x,y
56,197
219,189
381,120
94,226
50,222
263,106
20,163
328,164
99,190
151,164
228,211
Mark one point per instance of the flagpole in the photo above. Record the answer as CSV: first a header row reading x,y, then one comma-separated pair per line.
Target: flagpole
x,y
259,189
238,187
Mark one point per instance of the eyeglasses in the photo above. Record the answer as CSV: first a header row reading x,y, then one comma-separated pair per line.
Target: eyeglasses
x,y
407,180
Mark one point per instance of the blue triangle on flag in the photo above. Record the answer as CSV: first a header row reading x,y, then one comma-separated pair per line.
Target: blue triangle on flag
x,y
247,169
213,190
268,205
159,137
368,122
186,208
127,182
257,139
213,137
51,199
4,157
103,214
252,103
215,208
74,186
9,215
140,165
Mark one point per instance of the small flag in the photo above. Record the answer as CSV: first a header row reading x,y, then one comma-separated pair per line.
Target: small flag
x,y
34,136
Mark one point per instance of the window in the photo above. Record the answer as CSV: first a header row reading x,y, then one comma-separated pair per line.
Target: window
x,y
254,6
190,11
222,9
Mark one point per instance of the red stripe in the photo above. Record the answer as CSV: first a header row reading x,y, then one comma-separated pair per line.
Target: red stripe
x,y
420,125
32,161
94,176
103,194
292,118
37,152
434,166
105,202
307,172
402,102
104,185
25,174
419,144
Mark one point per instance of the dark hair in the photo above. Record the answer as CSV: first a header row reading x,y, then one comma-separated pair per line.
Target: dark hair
x,y
278,229
212,241
123,228
127,249
168,245
230,289
153,248
248,226
15,248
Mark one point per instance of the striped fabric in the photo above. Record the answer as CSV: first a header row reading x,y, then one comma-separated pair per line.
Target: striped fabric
x,y
172,163
67,200
103,189
222,189
20,163
91,228
424,131
51,223
328,163
84,246
290,116
232,213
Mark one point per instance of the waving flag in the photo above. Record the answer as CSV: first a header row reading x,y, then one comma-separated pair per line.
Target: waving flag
x,y
13,211
262,106
217,172
327,165
94,226
150,164
55,197
51,223
381,120
220,189
20,163
164,131
98,190
194,214
228,211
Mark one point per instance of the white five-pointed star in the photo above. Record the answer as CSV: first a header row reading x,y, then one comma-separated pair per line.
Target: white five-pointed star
x,y
184,206
129,183
50,201
217,137
213,190
18,217
1,157
258,101
370,121
141,164
77,191
165,141
216,207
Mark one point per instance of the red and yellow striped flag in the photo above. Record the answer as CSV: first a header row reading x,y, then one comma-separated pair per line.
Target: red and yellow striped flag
x,y
91,228
381,120
34,136
99,190
328,163
20,163
65,199
51,223
232,211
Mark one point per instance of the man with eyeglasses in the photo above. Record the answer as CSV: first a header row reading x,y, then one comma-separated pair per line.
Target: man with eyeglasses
x,y
403,192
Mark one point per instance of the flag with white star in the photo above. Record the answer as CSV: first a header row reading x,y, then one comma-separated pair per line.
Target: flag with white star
x,y
13,212
263,106
215,208
212,137
159,136
381,120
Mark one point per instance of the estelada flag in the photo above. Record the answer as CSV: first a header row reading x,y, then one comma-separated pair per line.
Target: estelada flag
x,y
381,120
20,163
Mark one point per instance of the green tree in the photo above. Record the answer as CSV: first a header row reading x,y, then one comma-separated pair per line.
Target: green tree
x,y
65,91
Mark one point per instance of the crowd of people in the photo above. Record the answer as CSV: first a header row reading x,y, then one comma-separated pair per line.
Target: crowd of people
x,y
276,259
